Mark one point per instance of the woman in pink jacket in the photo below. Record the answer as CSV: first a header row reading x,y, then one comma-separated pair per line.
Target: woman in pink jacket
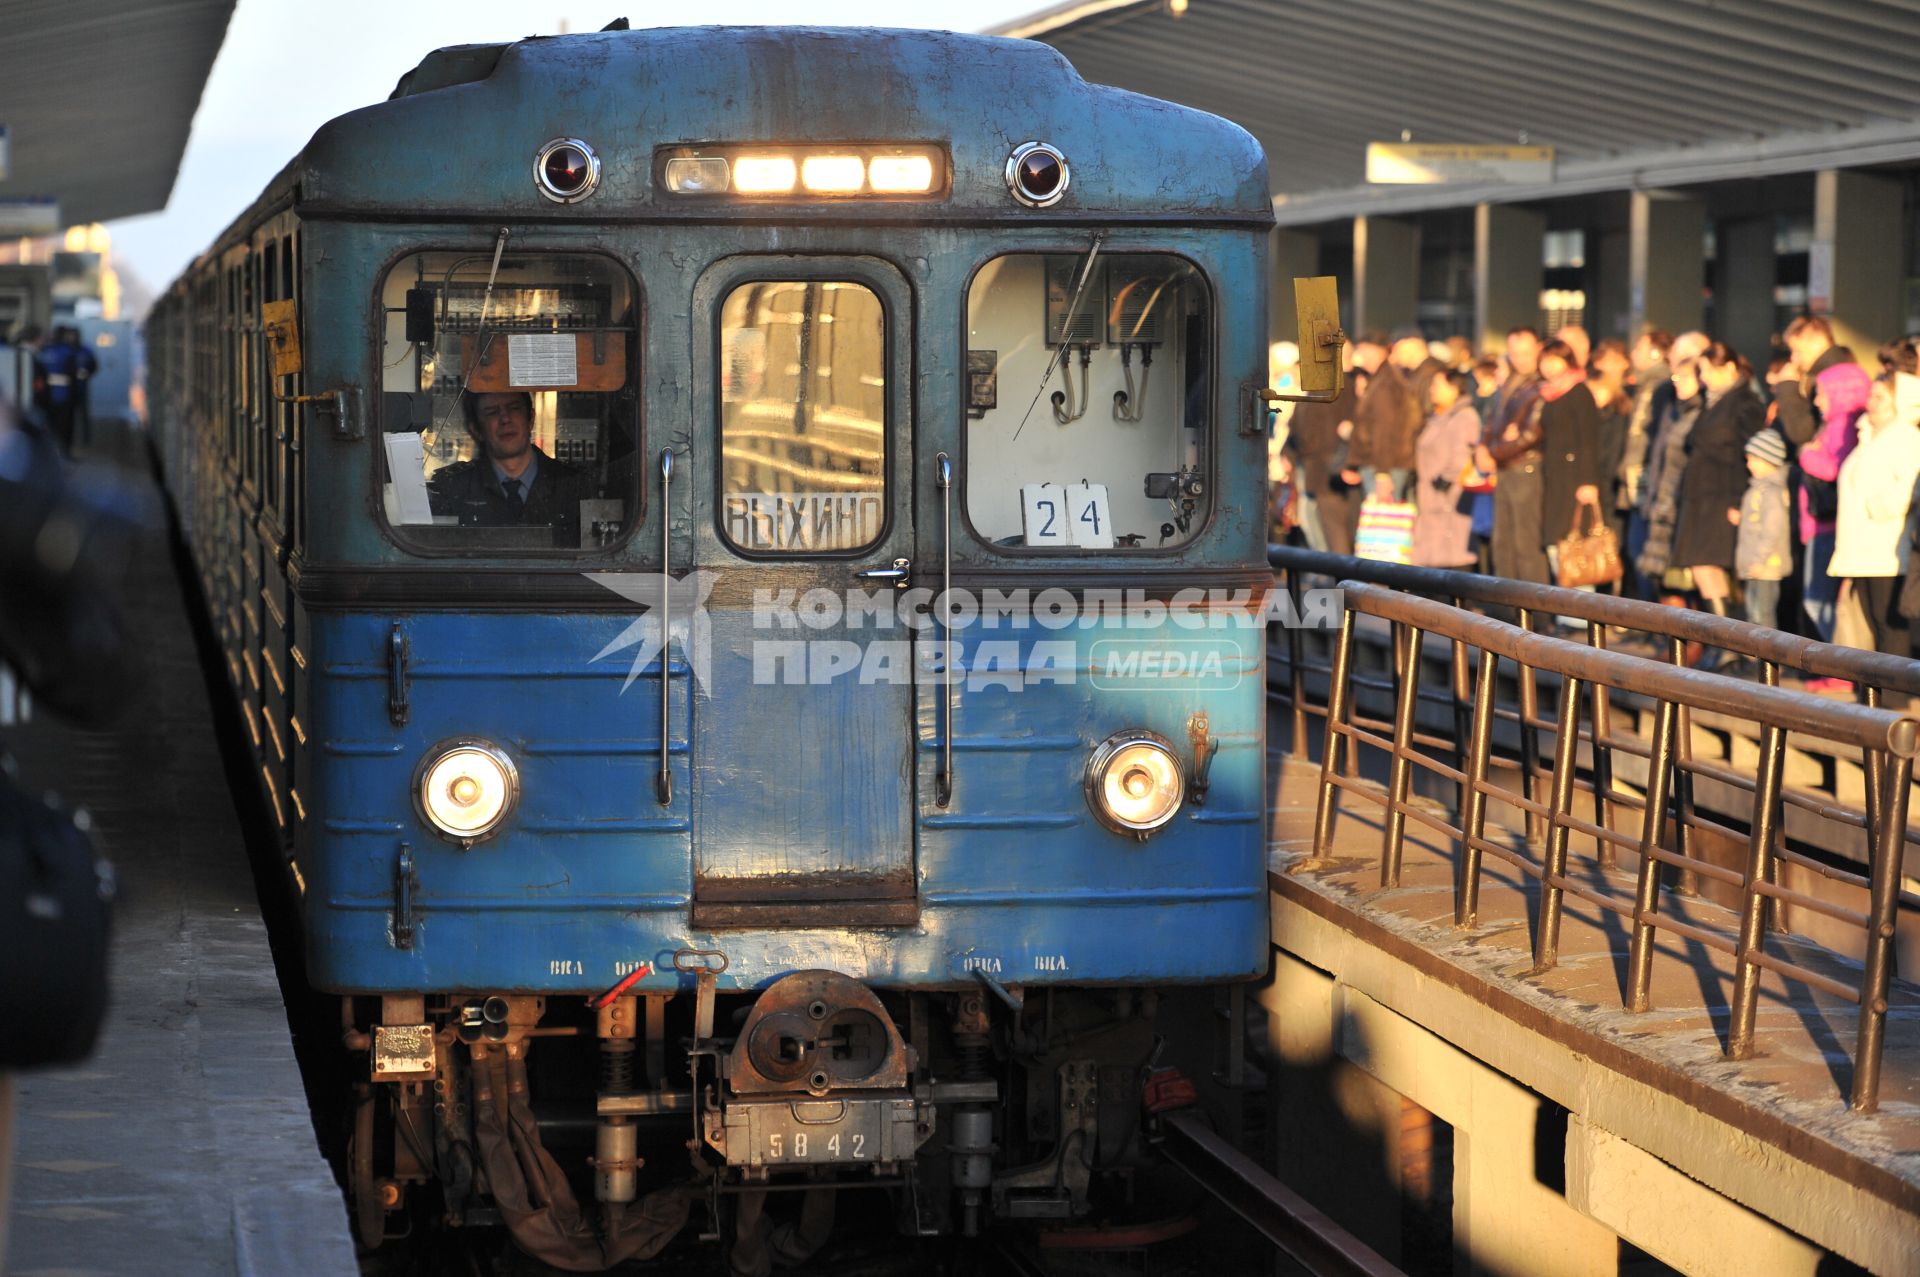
x,y
1840,394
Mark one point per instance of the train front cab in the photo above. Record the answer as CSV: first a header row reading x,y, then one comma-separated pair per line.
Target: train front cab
x,y
908,861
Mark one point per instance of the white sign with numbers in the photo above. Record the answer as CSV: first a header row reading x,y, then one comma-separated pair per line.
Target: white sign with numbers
x,y
1043,513
1092,519
1073,514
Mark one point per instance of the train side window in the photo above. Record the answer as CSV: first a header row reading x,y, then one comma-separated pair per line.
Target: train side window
x,y
803,414
509,403
1087,399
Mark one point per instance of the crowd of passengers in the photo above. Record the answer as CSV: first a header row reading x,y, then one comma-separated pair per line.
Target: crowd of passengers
x,y
1786,496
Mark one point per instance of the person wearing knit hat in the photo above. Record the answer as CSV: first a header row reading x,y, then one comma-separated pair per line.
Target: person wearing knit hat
x,y
1763,550
1770,446
1876,484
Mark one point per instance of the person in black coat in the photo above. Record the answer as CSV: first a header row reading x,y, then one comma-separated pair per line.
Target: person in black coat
x,y
511,483
1715,479
1577,453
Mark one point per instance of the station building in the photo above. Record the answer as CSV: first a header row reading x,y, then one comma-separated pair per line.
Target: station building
x,y
1725,166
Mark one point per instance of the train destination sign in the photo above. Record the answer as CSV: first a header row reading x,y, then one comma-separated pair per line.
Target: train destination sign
x,y
1413,163
803,520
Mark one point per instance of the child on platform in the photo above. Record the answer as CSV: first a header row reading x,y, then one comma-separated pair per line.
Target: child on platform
x,y
1763,550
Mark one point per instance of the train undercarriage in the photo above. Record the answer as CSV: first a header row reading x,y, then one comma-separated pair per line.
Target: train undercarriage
x,y
598,1130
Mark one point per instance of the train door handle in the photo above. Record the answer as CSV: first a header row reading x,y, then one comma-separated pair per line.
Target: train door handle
x,y
897,574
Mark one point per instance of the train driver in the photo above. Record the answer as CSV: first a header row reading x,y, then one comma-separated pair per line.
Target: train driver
x,y
511,483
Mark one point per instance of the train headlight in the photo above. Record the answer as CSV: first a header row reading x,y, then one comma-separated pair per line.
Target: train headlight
x,y
833,174
566,170
697,174
1037,174
1134,782
764,174
813,170
901,174
466,788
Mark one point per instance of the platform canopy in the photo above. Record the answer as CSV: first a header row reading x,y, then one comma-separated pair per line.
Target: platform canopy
x,y
1630,93
97,97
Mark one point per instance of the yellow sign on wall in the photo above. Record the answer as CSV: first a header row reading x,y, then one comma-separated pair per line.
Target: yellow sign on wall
x,y
1425,162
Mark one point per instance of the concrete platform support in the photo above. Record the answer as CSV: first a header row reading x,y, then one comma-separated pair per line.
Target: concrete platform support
x,y
1854,277
1558,1156
1743,287
1676,1219
1666,261
1508,247
1610,303
1386,274
1508,1216
1294,254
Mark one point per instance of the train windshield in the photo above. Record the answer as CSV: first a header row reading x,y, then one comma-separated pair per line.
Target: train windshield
x,y
508,407
803,416
1087,401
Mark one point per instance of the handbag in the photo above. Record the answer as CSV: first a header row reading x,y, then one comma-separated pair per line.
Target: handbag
x,y
1474,479
1851,628
1590,557
1386,531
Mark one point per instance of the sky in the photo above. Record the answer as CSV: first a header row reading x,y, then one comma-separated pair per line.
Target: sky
x,y
259,108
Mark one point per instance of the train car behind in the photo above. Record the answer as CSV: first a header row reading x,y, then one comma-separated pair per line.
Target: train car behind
x,y
741,555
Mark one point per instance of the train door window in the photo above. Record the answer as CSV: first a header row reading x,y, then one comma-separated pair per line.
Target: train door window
x,y
509,405
803,406
1088,402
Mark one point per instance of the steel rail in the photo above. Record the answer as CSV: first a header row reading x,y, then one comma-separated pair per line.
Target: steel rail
x,y
1823,660
1891,738
1288,1220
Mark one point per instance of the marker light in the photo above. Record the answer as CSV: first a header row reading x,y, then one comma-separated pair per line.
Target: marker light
x,y
764,174
833,173
466,788
566,170
900,174
697,175
1037,174
1134,782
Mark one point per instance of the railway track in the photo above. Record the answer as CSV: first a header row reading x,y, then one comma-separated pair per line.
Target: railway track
x,y
1301,1231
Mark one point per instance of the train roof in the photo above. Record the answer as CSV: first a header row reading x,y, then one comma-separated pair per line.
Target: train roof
x,y
459,135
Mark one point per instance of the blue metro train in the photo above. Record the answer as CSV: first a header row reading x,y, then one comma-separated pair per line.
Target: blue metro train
x,y
740,555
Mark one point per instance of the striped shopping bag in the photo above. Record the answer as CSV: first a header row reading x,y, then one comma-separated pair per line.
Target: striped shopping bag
x,y
1386,531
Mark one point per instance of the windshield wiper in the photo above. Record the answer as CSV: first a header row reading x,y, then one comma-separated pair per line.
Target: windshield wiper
x,y
1066,327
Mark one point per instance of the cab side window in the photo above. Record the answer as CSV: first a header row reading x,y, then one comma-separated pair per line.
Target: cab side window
x,y
509,405
1111,453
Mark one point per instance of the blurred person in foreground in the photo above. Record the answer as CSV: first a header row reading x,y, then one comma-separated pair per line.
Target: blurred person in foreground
x,y
66,540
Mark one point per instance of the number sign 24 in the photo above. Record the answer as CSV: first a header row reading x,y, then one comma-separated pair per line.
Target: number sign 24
x,y
1074,514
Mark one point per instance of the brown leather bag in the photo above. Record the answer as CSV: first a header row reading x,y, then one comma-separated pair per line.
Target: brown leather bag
x,y
1591,557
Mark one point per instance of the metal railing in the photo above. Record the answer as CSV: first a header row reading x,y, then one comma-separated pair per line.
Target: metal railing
x,y
1875,674
1889,740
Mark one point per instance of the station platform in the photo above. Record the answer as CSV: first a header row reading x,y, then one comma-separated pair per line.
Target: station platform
x,y
1575,1125
184,1144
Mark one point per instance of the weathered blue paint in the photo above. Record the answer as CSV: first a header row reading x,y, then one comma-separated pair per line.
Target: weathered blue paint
x,y
1014,876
